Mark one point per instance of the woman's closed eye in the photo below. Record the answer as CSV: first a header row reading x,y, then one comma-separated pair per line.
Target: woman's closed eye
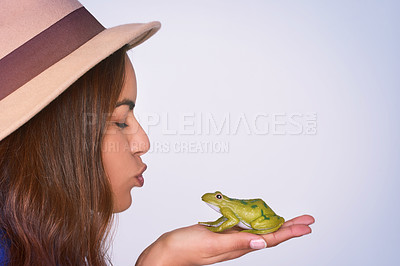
x,y
121,125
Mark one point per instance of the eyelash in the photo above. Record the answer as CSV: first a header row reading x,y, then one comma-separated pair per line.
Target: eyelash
x,y
121,125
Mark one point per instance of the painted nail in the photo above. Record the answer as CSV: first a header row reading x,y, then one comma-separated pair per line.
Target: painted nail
x,y
258,244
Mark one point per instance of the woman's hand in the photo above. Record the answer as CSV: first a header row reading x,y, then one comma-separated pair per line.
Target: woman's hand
x,y
196,245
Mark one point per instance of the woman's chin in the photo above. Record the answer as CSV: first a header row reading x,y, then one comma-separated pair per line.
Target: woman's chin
x,y
123,205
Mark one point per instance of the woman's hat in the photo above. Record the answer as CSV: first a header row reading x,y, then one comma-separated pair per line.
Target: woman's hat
x,y
45,46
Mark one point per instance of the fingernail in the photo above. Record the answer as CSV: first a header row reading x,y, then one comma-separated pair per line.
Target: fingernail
x,y
258,244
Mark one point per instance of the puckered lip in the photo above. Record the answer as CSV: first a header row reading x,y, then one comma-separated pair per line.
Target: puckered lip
x,y
144,167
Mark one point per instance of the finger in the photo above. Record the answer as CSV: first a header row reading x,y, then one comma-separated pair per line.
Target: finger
x,y
286,233
231,242
304,219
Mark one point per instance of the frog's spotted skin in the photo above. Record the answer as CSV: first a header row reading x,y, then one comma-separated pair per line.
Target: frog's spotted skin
x,y
254,215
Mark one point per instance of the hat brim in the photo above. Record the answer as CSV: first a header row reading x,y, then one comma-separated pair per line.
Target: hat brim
x,y
36,94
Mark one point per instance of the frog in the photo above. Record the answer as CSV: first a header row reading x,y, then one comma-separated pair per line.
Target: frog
x,y
252,215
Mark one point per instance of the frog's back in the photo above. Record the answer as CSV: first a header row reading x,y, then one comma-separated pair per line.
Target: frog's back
x,y
259,204
250,209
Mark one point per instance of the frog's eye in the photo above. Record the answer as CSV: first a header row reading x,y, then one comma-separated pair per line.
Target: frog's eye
x,y
218,196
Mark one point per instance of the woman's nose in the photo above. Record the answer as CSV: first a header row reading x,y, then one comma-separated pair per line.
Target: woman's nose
x,y
139,142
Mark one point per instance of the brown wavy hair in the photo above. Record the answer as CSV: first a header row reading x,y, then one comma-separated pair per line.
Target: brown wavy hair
x,y
56,201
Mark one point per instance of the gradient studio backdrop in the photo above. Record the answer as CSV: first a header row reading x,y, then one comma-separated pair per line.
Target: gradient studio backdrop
x,y
311,93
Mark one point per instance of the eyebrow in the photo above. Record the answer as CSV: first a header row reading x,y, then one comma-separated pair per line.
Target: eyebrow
x,y
125,101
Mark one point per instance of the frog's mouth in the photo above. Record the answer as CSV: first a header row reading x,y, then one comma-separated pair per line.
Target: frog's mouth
x,y
216,208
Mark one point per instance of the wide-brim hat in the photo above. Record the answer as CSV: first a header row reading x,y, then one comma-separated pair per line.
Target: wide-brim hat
x,y
45,46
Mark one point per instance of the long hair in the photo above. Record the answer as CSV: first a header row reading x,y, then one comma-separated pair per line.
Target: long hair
x,y
56,201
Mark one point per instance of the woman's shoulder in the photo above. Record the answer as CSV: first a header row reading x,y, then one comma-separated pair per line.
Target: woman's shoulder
x,y
4,246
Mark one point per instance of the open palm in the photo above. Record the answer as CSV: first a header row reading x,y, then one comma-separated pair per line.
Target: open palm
x,y
196,245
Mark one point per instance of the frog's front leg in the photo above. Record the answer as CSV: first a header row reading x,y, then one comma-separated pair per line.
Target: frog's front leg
x,y
231,220
215,223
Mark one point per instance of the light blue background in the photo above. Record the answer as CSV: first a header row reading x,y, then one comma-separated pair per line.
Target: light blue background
x,y
339,59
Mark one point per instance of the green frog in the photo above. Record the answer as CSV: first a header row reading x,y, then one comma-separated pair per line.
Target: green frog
x,y
254,215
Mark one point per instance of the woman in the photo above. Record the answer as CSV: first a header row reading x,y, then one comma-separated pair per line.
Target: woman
x,y
70,145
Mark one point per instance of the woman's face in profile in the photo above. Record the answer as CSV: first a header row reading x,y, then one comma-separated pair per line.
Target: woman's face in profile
x,y
123,144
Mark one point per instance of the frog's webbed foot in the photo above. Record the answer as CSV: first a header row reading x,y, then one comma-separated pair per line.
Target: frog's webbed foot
x,y
214,229
227,220
216,223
